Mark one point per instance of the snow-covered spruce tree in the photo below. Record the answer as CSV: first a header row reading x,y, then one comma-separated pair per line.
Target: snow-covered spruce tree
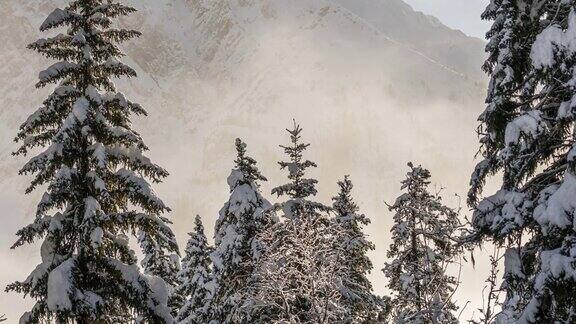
x,y
527,137
160,261
242,219
358,297
94,171
422,248
196,284
295,278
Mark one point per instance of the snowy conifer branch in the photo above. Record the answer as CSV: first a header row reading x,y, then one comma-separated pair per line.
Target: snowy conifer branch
x,y
527,137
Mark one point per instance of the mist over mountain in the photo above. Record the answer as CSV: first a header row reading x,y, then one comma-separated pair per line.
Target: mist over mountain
x,y
363,78
423,33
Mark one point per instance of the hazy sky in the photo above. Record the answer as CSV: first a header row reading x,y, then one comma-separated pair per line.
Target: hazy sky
x,y
458,14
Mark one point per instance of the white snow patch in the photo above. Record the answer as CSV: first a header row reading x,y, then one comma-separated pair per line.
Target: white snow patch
x,y
80,109
55,70
527,124
55,17
60,287
552,39
234,178
96,237
557,205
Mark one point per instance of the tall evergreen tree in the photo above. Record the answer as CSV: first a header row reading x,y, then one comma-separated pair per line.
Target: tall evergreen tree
x,y
352,243
196,284
95,173
295,279
242,219
527,137
421,250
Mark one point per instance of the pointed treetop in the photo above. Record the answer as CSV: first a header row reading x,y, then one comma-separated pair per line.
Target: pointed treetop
x,y
345,207
246,164
343,202
195,278
199,227
300,187
416,178
197,245
422,247
236,246
197,237
353,245
98,10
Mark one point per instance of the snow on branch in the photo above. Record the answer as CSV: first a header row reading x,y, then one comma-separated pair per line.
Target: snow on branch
x,y
57,18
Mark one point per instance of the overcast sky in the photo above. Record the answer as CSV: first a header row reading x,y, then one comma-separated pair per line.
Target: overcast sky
x,y
458,14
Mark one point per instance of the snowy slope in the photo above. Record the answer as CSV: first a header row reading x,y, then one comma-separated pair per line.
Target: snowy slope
x,y
232,52
423,33
371,82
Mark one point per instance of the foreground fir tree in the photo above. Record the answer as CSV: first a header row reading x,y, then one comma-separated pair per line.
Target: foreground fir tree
x,y
242,219
196,285
295,281
527,138
353,245
421,250
94,171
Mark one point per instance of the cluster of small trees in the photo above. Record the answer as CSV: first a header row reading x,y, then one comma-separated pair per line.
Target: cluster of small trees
x,y
300,261
297,261
288,262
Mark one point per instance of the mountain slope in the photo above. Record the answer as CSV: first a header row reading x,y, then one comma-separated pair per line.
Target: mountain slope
x,y
424,33
237,42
